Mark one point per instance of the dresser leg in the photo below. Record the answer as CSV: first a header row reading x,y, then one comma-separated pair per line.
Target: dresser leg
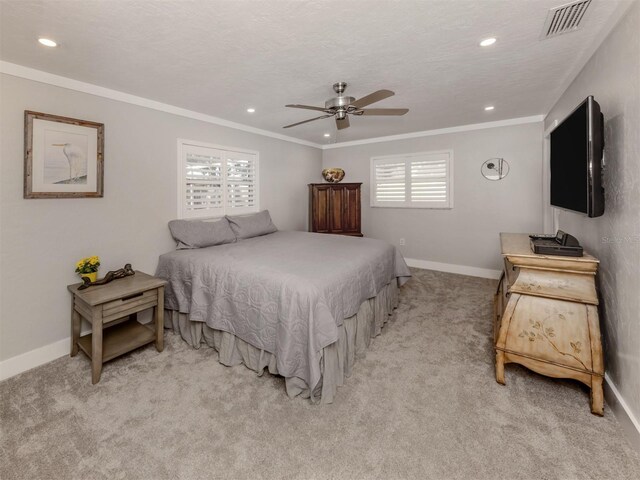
x,y
500,367
597,395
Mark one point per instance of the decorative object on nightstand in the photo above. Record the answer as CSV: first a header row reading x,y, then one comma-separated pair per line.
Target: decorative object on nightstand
x,y
112,311
111,275
333,175
546,316
88,268
335,208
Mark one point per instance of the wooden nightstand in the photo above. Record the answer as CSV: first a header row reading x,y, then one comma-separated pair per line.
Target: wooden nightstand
x,y
112,310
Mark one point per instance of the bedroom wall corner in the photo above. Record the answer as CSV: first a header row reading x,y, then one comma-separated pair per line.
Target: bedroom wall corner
x,y
612,76
463,239
40,240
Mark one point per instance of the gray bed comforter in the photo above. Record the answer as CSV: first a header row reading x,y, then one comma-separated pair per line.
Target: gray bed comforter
x,y
286,292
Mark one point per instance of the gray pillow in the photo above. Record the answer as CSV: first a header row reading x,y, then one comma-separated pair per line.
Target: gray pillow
x,y
248,226
198,234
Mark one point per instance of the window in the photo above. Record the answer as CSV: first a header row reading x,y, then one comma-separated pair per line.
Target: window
x,y
216,181
417,180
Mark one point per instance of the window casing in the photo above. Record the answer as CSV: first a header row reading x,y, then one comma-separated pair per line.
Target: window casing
x,y
416,180
214,181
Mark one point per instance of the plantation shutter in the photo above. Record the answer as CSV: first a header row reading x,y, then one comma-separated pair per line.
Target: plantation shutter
x,y
390,181
242,194
216,181
429,179
412,181
203,188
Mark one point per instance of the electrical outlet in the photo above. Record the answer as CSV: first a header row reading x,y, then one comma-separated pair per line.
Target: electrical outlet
x,y
402,243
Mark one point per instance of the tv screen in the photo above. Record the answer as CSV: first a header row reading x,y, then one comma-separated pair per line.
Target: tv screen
x,y
576,161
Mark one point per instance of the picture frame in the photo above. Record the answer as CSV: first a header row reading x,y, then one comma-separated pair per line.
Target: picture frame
x,y
63,157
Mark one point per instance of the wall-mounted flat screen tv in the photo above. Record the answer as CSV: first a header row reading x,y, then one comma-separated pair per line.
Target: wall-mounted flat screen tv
x,y
577,146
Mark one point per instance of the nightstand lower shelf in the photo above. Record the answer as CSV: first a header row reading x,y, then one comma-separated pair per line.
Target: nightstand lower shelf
x,y
120,339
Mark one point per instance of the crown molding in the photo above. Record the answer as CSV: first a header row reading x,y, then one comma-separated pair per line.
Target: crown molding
x,y
71,84
440,131
91,89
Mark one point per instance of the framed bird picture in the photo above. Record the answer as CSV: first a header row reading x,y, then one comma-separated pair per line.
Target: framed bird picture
x,y
63,157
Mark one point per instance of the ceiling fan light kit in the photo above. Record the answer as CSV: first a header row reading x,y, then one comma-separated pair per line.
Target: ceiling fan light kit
x,y
342,106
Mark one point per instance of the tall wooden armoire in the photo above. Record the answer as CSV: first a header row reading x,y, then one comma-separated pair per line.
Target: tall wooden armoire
x,y
335,208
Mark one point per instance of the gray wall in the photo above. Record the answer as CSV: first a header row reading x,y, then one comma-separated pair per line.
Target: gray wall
x,y
468,233
612,75
40,240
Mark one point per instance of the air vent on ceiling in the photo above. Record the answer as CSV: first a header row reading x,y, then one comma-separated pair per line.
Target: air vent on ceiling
x,y
565,18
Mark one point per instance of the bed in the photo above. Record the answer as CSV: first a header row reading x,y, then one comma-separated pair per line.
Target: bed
x,y
301,305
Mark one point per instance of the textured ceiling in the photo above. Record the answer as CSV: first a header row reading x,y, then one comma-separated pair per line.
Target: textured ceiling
x,y
221,57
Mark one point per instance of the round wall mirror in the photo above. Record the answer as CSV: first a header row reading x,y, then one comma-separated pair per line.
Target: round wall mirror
x,y
495,169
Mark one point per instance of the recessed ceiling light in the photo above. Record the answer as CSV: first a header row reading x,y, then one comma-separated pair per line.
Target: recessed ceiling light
x,y
251,110
487,41
47,43
489,108
327,134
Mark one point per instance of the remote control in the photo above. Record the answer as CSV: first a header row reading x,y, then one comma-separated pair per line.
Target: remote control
x,y
542,236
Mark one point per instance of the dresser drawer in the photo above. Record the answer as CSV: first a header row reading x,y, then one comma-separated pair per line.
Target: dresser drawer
x,y
129,305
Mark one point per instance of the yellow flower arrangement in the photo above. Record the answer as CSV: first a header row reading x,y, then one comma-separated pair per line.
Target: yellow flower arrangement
x,y
88,265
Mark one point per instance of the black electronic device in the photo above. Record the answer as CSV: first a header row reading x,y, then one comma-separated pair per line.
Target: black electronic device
x,y
577,146
561,244
547,236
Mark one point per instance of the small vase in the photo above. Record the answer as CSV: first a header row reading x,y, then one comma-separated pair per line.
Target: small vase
x,y
93,276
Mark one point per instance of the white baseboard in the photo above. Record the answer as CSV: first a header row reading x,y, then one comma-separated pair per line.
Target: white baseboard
x,y
39,356
34,358
623,413
452,268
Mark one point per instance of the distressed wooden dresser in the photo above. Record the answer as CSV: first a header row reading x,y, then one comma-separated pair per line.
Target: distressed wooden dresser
x,y
546,316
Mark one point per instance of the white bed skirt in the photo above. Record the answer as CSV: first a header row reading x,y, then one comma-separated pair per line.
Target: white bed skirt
x,y
354,337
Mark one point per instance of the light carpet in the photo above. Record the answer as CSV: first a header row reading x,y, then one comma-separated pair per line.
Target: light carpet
x,y
422,403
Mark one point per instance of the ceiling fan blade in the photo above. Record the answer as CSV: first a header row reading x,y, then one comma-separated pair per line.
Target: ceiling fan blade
x,y
383,111
307,107
307,121
373,98
342,124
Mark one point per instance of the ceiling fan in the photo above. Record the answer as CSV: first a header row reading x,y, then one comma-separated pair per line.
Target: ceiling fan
x,y
343,106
